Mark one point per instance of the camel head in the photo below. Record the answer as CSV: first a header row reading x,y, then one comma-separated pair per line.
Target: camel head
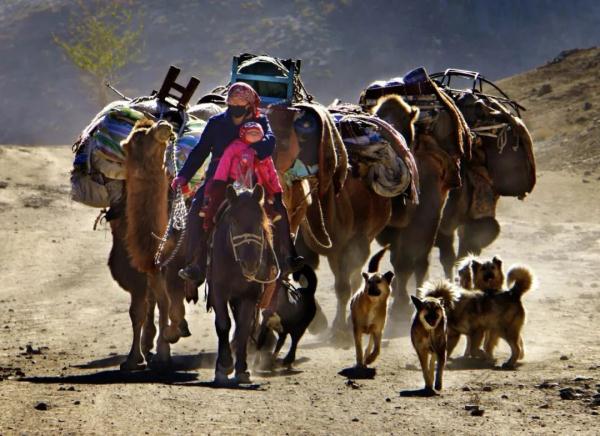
x,y
147,141
398,113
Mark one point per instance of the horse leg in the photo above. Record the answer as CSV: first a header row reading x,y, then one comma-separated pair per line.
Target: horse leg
x,y
447,254
291,355
162,360
149,331
137,313
243,326
224,365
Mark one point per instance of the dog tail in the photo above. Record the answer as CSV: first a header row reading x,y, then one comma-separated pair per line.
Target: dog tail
x,y
520,279
309,276
374,262
442,289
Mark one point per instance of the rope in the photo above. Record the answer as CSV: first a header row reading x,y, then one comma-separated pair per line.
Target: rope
x,y
177,217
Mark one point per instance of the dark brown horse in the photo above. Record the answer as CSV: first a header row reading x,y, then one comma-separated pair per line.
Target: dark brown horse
x,y
241,260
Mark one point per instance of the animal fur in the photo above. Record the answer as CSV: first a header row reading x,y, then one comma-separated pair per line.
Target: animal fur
x,y
428,336
296,311
500,313
147,188
368,309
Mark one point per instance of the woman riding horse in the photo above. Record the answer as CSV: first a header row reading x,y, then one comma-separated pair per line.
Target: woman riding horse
x,y
220,131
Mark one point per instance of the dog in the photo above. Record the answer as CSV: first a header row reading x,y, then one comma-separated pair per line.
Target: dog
x,y
368,310
485,276
475,312
428,336
296,309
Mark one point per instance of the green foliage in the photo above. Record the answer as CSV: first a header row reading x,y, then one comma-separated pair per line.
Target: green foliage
x,y
102,38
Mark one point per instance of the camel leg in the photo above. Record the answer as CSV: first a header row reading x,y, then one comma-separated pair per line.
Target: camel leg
x,y
475,235
149,331
162,360
137,313
243,326
224,365
447,254
400,311
452,340
176,292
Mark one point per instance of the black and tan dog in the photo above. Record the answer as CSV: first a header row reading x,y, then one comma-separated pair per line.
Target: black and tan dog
x,y
428,336
502,314
368,309
296,309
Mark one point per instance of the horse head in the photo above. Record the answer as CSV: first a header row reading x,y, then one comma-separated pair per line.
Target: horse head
x,y
249,229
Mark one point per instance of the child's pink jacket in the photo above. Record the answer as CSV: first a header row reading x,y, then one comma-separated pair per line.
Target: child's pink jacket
x,y
231,164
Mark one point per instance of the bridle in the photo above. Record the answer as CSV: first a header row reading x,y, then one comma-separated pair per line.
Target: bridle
x,y
252,238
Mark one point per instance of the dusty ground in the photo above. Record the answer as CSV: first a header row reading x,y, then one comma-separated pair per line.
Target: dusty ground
x,y
56,295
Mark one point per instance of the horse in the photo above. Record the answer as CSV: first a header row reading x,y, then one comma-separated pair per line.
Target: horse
x,y
241,260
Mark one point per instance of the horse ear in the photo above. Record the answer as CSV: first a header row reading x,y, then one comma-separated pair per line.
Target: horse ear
x,y
258,193
231,194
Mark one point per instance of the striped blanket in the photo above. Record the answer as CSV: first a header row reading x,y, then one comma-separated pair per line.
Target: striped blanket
x,y
103,152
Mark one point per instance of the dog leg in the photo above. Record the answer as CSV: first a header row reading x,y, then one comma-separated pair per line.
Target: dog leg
x,y
279,345
291,355
453,337
522,346
358,346
515,350
491,341
441,364
431,368
376,338
369,348
474,344
423,360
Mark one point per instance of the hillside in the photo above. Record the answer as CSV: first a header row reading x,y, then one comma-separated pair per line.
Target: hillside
x,y
563,109
344,45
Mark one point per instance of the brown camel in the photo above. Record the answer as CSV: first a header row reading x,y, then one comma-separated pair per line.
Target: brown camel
x,y
134,221
343,214
412,229
471,208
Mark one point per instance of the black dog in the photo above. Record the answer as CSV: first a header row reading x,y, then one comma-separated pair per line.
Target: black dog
x,y
296,309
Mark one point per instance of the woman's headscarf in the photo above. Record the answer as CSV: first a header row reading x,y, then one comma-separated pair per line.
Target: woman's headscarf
x,y
245,92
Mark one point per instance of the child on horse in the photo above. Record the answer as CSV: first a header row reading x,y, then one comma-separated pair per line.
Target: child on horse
x,y
240,164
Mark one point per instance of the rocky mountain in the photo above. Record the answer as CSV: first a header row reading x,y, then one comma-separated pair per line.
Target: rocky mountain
x,y
344,45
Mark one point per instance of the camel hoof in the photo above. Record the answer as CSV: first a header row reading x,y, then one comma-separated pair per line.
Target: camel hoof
x,y
508,366
243,377
341,338
184,330
132,366
159,365
172,335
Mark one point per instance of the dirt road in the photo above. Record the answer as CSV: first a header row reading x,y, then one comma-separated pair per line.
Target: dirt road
x,y
57,296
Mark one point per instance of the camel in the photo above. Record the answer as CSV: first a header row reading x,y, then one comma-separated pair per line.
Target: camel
x,y
343,215
141,214
471,208
412,228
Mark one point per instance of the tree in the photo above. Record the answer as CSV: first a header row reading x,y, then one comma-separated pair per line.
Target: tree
x,y
102,37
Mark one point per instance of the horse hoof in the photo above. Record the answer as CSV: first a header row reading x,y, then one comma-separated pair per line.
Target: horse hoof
x,y
243,377
132,366
221,379
184,330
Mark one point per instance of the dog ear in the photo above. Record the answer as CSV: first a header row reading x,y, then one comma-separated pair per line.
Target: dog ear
x,y
366,276
417,302
388,276
497,261
475,266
